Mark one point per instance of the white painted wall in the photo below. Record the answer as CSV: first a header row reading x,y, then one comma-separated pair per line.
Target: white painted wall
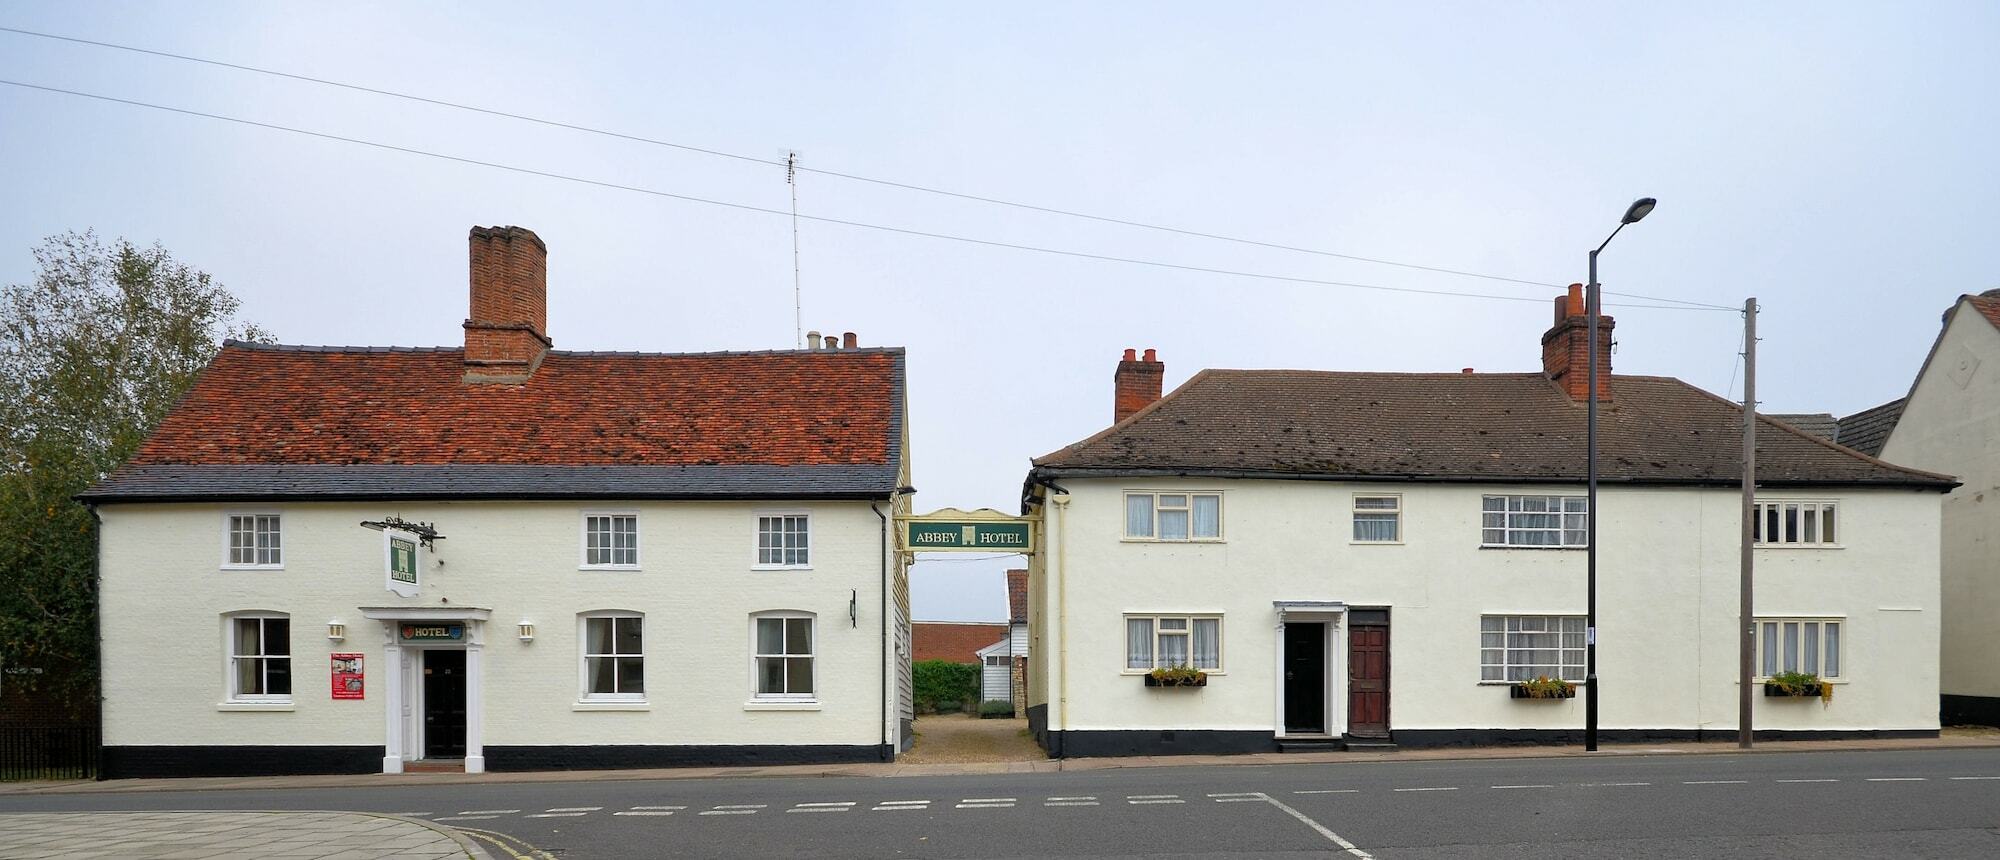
x,y
1667,602
164,594
1951,424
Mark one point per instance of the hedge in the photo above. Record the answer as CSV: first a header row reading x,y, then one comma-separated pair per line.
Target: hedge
x,y
941,685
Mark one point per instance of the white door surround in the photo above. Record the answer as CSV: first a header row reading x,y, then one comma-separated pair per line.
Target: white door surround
x,y
404,739
1333,614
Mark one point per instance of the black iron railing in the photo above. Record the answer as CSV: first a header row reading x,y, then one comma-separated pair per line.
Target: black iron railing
x,y
48,752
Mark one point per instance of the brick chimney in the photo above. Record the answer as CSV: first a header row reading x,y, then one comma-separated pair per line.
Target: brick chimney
x,y
506,334
1137,384
1566,348
1017,596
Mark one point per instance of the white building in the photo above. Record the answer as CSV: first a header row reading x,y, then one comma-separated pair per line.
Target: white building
x,y
1950,422
641,559
1371,558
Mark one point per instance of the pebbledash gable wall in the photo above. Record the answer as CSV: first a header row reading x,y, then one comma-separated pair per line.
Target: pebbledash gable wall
x,y
164,658
1667,602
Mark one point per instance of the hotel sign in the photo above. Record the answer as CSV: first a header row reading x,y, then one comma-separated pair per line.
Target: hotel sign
x,y
410,631
400,560
983,530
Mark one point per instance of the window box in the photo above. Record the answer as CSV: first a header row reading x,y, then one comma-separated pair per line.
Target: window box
x,y
1797,685
1542,688
1182,677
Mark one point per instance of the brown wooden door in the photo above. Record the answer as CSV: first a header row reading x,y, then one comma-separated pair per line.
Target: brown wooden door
x,y
1368,680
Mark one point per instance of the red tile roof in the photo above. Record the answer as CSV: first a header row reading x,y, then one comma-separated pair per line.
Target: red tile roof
x,y
1017,596
259,404
958,643
1988,305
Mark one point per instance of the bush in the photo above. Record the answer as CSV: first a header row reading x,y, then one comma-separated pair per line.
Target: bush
x,y
941,685
996,708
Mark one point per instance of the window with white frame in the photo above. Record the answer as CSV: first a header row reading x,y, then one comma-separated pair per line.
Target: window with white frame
x,y
1173,516
1378,518
1166,641
254,541
783,662
1535,521
611,540
1791,522
260,658
995,660
614,657
783,540
1526,647
1809,645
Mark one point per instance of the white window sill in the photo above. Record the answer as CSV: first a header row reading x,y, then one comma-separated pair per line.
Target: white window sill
x,y
253,567
1172,541
1375,543
254,707
1838,682
1533,548
1799,546
781,567
781,705
629,568
1140,673
1512,683
611,706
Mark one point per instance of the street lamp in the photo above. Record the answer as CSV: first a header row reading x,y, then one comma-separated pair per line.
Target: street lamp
x,y
1639,209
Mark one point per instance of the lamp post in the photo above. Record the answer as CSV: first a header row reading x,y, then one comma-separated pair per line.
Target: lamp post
x,y
1639,209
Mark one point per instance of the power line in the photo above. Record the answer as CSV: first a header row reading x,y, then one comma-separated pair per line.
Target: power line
x,y
905,231
791,165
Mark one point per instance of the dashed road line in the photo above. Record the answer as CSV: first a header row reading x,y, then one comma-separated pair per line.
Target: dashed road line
x,y
985,804
1716,782
489,812
1966,778
734,809
574,809
1896,779
1613,784
1326,791
1808,780
559,815
894,805
1537,785
1440,788
645,812
1238,797
1079,800
655,808
841,806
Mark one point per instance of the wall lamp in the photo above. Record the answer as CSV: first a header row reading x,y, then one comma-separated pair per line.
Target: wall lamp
x,y
527,630
336,631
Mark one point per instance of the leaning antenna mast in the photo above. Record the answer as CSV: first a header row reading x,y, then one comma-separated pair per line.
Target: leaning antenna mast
x,y
798,310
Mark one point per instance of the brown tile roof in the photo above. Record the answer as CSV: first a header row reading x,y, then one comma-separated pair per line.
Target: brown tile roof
x,y
958,643
1821,424
341,415
1868,430
1988,305
1482,427
1017,597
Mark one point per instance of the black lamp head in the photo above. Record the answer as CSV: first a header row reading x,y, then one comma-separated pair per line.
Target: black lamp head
x,y
1640,208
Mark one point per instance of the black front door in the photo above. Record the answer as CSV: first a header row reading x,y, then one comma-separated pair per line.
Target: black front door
x,y
1305,678
444,703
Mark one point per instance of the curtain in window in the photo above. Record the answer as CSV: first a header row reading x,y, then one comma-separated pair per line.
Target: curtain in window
x,y
1173,649
1207,516
1832,650
1138,643
1138,516
1374,527
1207,644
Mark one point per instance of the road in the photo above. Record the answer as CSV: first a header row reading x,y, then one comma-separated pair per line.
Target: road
x,y
1943,803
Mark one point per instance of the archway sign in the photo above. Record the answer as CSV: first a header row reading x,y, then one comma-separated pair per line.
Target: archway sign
x,y
954,530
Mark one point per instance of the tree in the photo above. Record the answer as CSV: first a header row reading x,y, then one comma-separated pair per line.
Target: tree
x,y
93,354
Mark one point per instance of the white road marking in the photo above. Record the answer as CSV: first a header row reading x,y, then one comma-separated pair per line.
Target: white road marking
x,y
1326,791
467,818
1445,788
986,800
422,814
1323,831
1162,800
1955,777
559,815
734,809
1078,797
1717,782
984,806
896,808
489,812
1071,803
574,809
645,812
822,807
659,807
1896,779
1150,796
1612,784
1238,794
1808,780
1521,786
839,803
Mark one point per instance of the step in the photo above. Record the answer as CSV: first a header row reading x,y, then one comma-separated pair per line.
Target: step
x,y
435,765
1368,745
1328,744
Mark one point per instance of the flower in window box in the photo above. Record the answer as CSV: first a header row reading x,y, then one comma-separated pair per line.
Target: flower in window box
x,y
1542,687
1181,675
1798,685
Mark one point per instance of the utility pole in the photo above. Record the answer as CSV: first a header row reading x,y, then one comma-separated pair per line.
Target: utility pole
x,y
1746,645
798,306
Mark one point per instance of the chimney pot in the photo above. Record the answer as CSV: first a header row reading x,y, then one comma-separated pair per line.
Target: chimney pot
x,y
849,341
1466,371
832,342
506,328
1566,348
1136,385
812,340
1131,355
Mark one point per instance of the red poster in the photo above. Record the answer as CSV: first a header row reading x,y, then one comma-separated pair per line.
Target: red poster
x,y
347,676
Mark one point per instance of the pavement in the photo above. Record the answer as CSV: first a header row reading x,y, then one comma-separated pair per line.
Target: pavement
x,y
229,836
1899,797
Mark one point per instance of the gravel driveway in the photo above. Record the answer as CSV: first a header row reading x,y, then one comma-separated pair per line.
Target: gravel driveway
x,y
959,738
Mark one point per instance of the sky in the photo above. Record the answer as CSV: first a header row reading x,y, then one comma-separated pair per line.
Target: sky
x,y
1834,160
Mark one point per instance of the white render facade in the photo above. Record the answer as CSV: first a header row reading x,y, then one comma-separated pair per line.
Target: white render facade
x,y
1285,553
515,579
1950,423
